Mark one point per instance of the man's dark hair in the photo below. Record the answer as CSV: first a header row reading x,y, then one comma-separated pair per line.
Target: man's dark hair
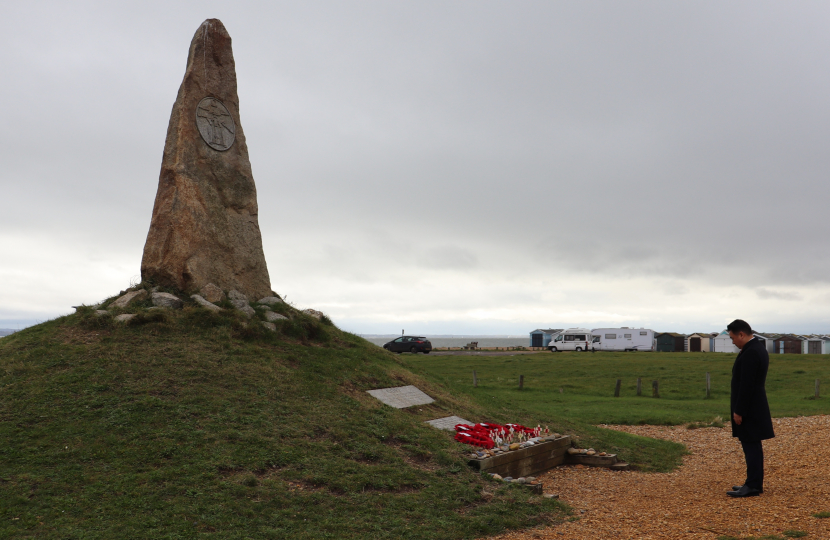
x,y
738,326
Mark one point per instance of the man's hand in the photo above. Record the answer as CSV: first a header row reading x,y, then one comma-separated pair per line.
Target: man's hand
x,y
738,418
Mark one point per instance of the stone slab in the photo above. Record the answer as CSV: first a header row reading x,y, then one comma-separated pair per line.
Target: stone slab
x,y
401,397
448,423
591,461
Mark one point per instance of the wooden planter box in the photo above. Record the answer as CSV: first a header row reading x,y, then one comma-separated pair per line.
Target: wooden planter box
x,y
526,461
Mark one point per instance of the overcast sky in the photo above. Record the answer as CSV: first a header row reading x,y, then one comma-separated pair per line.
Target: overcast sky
x,y
444,167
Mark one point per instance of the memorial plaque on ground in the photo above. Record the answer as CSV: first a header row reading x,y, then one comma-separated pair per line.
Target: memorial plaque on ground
x,y
401,397
448,423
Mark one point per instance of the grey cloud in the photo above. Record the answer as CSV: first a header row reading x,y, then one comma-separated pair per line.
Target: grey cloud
x,y
446,257
654,134
767,294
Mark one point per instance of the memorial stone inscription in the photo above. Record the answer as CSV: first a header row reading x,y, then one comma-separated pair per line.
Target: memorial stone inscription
x,y
215,124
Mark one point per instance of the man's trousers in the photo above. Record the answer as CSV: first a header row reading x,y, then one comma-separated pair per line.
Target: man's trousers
x,y
754,455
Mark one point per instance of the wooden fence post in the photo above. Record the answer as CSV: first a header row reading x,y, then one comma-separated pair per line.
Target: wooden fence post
x,y
655,389
639,386
818,385
617,388
521,381
475,380
708,385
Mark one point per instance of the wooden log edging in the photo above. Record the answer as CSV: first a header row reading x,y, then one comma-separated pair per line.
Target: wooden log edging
x,y
525,461
540,458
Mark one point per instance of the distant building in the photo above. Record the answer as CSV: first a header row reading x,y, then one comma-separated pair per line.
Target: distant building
x,y
812,345
670,342
541,337
767,340
699,342
788,344
826,340
723,343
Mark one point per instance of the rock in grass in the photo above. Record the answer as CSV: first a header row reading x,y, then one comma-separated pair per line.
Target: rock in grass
x,y
270,316
128,298
240,302
212,293
270,326
204,303
508,478
314,313
166,300
205,224
238,299
271,300
124,317
101,312
497,477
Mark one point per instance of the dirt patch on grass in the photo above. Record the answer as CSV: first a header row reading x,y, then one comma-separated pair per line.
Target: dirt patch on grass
x,y
75,335
691,502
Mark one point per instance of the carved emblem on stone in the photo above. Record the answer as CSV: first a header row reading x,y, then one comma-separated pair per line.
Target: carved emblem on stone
x,y
215,124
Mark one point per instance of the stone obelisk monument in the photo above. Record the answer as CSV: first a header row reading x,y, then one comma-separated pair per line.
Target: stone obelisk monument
x,y
204,227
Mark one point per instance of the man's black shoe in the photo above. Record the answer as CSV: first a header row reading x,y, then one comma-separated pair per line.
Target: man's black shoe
x,y
736,488
744,492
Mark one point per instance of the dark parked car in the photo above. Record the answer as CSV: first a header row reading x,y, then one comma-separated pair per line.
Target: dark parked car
x,y
411,344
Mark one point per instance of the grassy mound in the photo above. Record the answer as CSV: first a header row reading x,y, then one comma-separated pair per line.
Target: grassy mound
x,y
183,424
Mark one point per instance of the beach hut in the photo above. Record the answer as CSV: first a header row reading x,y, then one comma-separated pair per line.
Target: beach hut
x,y
767,340
723,343
670,342
699,342
812,345
541,337
788,344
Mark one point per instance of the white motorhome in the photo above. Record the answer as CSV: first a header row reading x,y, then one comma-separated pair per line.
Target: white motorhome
x,y
623,339
572,339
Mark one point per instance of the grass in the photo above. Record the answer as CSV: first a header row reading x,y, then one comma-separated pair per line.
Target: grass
x,y
190,424
821,515
588,380
587,388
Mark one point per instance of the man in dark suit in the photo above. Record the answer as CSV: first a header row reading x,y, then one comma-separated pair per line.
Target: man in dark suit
x,y
751,419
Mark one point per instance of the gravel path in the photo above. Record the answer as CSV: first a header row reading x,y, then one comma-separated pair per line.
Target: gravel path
x,y
685,503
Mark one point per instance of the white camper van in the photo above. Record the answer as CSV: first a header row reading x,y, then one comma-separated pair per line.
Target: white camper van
x,y
572,339
623,339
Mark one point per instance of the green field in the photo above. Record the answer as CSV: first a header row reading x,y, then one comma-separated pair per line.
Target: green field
x,y
587,383
191,424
